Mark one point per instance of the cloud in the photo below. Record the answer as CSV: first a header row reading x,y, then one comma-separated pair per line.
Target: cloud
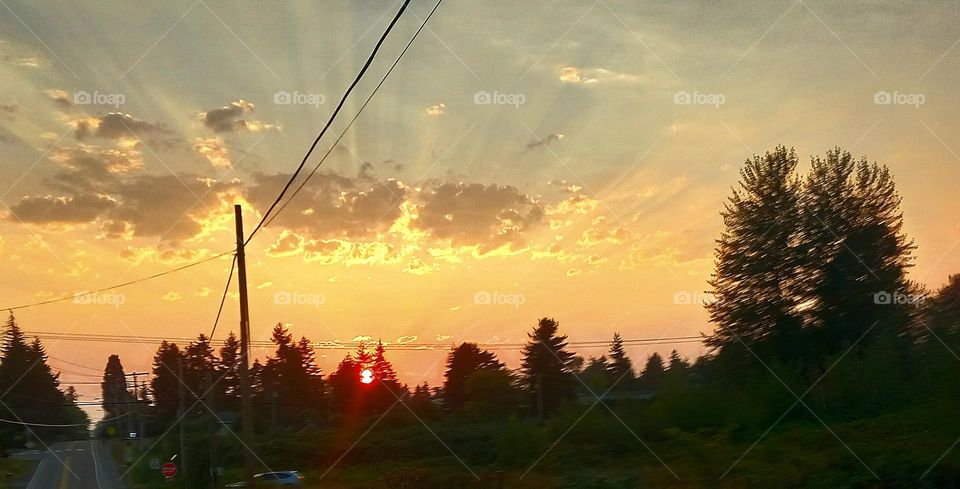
x,y
361,339
172,296
596,76
61,99
491,216
550,138
116,125
438,109
333,206
95,183
8,110
417,266
214,151
406,339
229,118
49,209
444,337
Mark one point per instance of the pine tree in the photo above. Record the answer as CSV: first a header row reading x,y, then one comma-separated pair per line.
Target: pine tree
x,y
757,261
28,383
546,365
230,371
114,389
345,383
463,361
620,367
653,373
165,383
382,368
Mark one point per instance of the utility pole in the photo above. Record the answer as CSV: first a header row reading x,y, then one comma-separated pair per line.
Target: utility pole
x,y
246,404
182,400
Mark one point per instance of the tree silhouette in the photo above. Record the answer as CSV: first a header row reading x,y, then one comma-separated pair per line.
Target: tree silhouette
x,y
114,389
165,383
230,372
620,367
32,392
653,372
755,282
546,366
852,222
463,361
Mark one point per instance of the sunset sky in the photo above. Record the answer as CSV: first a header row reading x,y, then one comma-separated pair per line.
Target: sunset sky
x,y
588,189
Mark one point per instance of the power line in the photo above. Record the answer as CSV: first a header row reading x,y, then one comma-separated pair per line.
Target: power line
x,y
350,345
226,289
46,425
326,126
116,286
357,115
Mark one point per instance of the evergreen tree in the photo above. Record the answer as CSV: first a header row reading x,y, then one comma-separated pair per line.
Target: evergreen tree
x,y
114,389
165,383
199,361
653,372
462,361
620,367
32,393
757,261
546,366
345,384
230,372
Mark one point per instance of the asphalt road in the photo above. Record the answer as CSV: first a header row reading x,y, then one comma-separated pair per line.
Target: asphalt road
x,y
75,465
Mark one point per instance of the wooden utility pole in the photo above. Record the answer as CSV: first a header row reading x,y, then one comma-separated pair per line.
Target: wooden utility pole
x,y
246,404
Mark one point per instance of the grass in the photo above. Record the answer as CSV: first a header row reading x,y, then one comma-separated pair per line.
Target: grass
x,y
13,472
893,450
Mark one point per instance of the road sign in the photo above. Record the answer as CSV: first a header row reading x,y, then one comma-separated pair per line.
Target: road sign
x,y
169,470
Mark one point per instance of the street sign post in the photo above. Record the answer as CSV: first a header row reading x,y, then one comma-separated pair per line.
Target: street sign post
x,y
169,470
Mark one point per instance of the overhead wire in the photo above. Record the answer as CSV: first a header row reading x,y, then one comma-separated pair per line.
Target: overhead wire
x,y
330,120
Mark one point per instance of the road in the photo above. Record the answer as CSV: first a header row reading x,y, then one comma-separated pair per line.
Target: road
x,y
75,465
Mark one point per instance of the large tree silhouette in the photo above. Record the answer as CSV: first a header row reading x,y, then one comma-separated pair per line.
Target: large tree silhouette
x,y
546,366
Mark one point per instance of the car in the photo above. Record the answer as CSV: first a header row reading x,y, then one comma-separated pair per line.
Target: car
x,y
280,478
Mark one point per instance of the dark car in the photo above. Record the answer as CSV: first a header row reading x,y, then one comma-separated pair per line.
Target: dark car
x,y
281,478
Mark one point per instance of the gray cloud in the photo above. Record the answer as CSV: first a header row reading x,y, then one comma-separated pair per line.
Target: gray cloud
x,y
469,214
116,125
548,139
331,205
61,209
230,118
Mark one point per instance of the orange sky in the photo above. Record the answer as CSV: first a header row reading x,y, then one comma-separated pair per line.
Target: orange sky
x,y
572,167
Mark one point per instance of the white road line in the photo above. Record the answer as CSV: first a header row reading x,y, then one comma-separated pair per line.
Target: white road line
x,y
36,474
96,464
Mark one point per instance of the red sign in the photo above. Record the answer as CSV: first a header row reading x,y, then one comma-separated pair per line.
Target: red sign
x,y
169,470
